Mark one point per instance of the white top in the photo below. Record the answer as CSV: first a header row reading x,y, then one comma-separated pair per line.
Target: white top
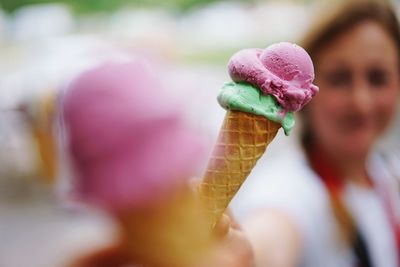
x,y
287,182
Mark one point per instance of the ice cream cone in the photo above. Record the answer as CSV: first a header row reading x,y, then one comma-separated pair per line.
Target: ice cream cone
x,y
267,86
39,112
242,140
45,139
174,234
132,154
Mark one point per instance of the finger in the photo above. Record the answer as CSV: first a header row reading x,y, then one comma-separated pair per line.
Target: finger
x,y
233,223
222,227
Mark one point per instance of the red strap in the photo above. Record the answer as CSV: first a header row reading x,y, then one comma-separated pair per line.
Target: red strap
x,y
331,178
392,218
326,171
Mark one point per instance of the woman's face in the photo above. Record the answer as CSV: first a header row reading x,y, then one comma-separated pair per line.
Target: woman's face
x,y
358,76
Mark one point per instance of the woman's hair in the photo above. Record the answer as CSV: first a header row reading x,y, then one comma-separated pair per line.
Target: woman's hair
x,y
344,15
336,19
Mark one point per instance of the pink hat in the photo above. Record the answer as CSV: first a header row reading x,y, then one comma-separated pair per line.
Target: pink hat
x,y
128,143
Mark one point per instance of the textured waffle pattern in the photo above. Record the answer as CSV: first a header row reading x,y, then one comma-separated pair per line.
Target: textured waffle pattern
x,y
173,233
242,140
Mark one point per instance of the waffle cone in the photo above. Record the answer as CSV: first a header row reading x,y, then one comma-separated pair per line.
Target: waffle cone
x,y
242,140
175,233
42,130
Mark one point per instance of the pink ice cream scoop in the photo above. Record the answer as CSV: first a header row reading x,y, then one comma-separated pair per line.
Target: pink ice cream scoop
x,y
128,143
283,70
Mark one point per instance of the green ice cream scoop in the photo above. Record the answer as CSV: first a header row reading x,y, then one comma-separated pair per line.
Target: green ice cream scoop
x,y
247,98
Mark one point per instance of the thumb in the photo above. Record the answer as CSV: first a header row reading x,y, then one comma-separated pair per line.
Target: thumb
x,y
222,227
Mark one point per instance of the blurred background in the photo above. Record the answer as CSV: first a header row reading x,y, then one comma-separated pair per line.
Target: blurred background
x,y
45,43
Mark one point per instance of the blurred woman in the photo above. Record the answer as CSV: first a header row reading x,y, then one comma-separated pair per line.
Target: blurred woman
x,y
333,200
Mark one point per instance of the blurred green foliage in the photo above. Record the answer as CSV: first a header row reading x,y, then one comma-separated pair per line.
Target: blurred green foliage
x,y
84,6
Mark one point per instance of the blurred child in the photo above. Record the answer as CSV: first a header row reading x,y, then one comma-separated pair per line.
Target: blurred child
x,y
132,156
